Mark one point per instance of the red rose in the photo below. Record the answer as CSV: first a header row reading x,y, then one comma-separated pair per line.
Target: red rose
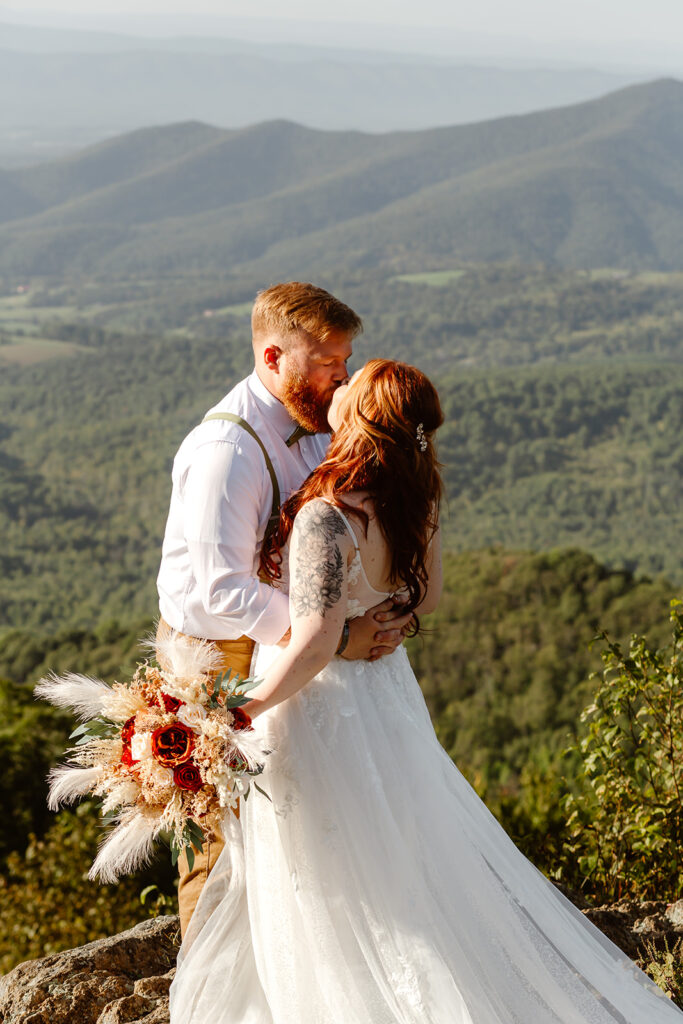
x,y
127,733
172,744
240,719
127,757
171,703
186,776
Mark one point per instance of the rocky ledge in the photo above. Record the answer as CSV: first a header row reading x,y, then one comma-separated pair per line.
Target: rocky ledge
x,y
638,927
125,979
112,981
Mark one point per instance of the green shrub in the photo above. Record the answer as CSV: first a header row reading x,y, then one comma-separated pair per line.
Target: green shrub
x,y
626,820
47,903
32,737
665,967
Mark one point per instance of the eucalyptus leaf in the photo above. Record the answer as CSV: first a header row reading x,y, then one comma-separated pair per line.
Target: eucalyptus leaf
x,y
249,684
189,852
195,832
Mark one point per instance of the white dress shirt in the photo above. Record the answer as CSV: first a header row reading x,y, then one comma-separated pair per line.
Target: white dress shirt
x,y
221,500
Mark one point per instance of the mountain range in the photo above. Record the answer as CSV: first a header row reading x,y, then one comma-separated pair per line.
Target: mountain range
x,y
64,89
594,184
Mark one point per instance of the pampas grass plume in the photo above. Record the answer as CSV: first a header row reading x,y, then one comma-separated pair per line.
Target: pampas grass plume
x,y
186,658
68,784
249,745
83,694
128,846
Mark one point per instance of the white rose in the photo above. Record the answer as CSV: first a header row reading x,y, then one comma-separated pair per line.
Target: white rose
x,y
141,746
162,776
191,715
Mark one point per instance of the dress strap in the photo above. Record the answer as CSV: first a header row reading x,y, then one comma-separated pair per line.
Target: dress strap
x,y
347,524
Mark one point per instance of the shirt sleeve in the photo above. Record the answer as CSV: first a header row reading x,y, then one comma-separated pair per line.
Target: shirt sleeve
x,y
224,494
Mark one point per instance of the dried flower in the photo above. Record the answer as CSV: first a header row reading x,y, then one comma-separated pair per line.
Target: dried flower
x,y
168,751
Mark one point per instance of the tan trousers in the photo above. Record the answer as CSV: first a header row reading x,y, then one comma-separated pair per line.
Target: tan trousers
x,y
236,656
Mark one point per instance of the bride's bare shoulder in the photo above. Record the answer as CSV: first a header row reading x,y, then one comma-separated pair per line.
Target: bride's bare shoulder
x,y
319,519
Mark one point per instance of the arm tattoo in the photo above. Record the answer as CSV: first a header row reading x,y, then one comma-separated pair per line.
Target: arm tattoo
x,y
316,583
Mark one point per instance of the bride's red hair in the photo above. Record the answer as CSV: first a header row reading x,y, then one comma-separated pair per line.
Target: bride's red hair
x,y
384,447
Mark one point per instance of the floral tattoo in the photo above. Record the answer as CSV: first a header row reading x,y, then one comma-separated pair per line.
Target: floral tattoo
x,y
316,583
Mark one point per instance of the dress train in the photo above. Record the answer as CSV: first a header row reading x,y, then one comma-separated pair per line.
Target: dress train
x,y
377,888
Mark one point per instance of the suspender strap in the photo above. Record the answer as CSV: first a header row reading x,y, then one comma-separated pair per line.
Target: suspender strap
x,y
275,511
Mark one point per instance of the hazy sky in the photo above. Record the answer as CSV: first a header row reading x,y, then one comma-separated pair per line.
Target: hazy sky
x,y
621,29
625,19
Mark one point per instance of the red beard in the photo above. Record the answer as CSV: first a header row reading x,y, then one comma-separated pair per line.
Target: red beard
x,y
305,404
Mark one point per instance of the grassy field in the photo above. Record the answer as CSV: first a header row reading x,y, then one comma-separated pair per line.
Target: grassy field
x,y
433,278
23,338
26,351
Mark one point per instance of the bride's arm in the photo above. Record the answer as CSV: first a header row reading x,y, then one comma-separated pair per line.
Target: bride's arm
x,y
318,565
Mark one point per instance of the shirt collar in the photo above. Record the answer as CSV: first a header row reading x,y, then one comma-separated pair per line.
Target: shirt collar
x,y
277,415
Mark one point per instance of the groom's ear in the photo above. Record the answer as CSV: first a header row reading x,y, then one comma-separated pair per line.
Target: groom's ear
x,y
271,357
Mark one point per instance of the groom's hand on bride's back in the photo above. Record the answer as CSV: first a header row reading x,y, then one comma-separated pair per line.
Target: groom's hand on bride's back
x,y
378,632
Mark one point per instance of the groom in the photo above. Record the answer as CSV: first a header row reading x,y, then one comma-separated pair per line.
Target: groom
x,y
230,475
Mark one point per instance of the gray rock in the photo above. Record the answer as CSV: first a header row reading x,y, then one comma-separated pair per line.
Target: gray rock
x,y
126,1010
674,914
118,980
126,979
635,926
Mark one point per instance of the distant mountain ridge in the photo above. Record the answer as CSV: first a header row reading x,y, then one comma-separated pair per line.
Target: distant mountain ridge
x,y
101,84
596,184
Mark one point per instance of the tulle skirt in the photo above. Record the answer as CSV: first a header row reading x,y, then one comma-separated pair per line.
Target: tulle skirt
x,y
376,887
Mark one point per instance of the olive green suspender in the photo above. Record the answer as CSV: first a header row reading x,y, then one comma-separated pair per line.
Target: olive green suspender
x,y
275,511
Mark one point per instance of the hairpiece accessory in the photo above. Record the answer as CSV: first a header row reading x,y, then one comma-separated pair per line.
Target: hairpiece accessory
x,y
421,439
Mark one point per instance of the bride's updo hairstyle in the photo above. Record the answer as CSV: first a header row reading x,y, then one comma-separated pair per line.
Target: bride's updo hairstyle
x,y
383,446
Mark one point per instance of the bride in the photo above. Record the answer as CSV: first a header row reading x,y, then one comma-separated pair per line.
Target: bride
x,y
374,887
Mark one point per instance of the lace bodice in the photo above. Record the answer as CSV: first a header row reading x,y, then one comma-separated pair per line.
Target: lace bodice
x,y
361,595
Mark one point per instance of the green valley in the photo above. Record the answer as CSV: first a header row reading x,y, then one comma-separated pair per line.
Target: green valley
x,y
531,266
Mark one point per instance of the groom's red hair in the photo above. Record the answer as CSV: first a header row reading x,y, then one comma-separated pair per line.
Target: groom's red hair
x,y
383,446
297,305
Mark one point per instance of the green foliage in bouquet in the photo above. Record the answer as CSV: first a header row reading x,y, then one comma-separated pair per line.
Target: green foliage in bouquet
x,y
626,820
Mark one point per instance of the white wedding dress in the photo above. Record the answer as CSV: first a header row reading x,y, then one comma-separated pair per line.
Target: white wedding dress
x,y
377,888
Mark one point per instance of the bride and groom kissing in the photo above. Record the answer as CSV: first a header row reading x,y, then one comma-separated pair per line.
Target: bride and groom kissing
x,y
373,887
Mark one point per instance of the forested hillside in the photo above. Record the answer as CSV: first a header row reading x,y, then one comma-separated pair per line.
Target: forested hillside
x,y
548,441
588,185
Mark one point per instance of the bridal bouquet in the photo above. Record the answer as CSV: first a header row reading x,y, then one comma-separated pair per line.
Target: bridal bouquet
x,y
166,752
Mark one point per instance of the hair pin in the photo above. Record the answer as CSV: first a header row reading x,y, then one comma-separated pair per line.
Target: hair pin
x,y
421,439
